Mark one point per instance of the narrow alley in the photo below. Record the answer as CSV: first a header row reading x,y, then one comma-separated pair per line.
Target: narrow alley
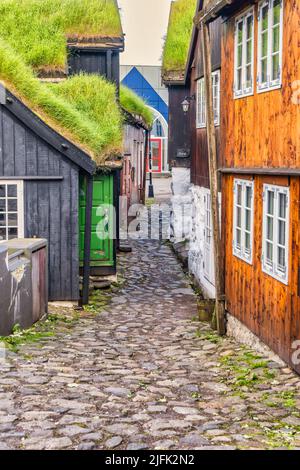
x,y
139,371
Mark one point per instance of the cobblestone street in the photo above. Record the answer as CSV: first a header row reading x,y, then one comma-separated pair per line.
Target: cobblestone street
x,y
140,372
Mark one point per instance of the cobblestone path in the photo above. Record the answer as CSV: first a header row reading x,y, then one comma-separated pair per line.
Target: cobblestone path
x,y
144,373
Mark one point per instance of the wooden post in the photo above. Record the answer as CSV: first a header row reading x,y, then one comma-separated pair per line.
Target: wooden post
x,y
87,240
213,178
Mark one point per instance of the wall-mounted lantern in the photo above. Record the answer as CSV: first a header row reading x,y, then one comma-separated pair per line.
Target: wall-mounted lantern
x,y
187,102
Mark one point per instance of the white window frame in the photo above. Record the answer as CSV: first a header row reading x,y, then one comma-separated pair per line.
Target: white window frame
x,y
240,251
244,90
277,83
201,102
20,205
273,269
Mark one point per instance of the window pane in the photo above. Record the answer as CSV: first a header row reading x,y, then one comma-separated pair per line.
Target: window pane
x,y
2,205
270,228
247,241
239,217
264,71
264,44
248,196
239,79
12,205
276,12
248,220
269,252
265,17
239,194
271,202
282,205
240,55
275,67
249,27
276,39
240,32
12,190
12,220
281,232
249,52
2,190
12,233
281,257
2,233
238,238
2,219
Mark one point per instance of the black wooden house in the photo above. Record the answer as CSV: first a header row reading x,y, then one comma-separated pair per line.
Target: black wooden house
x,y
39,186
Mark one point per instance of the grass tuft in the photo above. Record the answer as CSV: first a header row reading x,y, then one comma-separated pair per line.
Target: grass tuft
x,y
82,108
179,34
38,28
135,105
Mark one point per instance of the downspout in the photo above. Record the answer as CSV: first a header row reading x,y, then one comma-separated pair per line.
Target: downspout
x,y
146,148
87,240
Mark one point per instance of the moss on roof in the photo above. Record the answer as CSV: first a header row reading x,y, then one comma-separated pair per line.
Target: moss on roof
x,y
83,108
135,105
38,29
179,35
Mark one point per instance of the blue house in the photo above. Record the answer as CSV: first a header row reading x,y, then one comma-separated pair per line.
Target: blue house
x,y
146,82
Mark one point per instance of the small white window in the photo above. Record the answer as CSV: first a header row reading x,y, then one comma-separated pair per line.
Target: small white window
x,y
243,219
276,232
11,210
201,103
244,54
270,28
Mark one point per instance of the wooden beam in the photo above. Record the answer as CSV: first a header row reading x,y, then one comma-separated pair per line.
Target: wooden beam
x,y
211,11
213,178
261,171
87,240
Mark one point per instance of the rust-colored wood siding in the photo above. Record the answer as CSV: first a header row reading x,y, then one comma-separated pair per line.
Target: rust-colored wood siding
x,y
199,150
266,306
262,130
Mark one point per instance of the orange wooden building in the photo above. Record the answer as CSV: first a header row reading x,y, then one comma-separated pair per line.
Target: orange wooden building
x,y
260,167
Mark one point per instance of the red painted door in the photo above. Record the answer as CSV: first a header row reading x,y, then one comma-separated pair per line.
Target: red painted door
x,y
156,146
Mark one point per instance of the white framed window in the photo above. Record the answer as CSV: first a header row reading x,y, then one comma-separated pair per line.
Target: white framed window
x,y
275,232
270,30
11,210
201,103
244,54
243,219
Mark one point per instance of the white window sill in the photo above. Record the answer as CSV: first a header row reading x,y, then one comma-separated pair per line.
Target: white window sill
x,y
201,127
242,258
244,95
269,88
275,276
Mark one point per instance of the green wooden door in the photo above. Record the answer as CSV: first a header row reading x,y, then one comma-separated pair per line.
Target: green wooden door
x,y
102,249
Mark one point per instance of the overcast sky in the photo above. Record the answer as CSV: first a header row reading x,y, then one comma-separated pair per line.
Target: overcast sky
x,y
145,24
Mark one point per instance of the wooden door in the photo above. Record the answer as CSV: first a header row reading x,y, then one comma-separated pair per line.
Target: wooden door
x,y
156,147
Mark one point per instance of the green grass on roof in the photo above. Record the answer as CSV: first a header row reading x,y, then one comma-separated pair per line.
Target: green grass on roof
x,y
37,29
135,105
179,35
83,109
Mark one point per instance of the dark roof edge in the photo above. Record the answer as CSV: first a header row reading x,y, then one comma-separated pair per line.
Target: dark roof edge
x,y
44,131
135,120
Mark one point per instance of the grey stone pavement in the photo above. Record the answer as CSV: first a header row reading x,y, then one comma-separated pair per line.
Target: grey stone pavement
x,y
139,371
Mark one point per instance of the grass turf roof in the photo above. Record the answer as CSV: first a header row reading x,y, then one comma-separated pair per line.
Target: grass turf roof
x,y
135,105
83,108
37,29
179,35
